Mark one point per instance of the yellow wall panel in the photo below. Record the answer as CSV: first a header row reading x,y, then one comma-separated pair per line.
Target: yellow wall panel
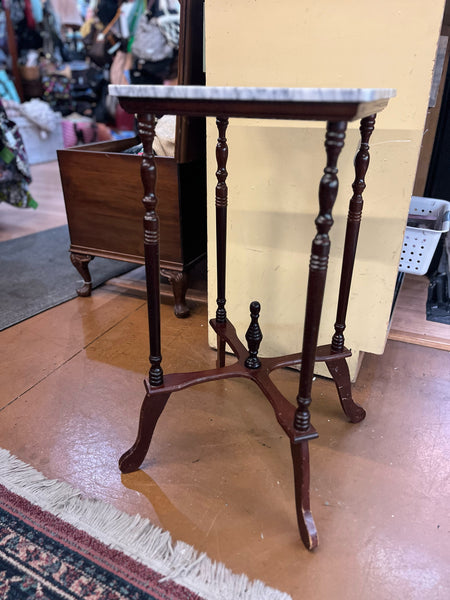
x,y
275,167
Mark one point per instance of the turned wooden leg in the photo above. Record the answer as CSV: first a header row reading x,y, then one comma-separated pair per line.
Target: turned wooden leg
x,y
221,216
81,264
352,231
306,525
179,281
339,372
221,230
151,409
318,266
146,127
339,369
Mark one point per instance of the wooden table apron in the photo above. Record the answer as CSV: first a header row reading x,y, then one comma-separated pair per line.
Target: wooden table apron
x,y
295,420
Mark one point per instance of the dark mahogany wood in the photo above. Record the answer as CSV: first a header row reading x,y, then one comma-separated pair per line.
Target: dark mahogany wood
x,y
103,189
179,281
221,216
305,521
81,264
151,410
309,111
221,229
151,246
341,376
254,337
104,213
284,410
320,250
352,232
294,419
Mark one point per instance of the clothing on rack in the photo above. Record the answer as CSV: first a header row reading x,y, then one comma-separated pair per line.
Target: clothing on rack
x,y
15,172
155,43
67,11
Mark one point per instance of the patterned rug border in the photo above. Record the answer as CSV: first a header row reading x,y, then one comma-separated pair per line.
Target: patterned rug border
x,y
89,547
133,536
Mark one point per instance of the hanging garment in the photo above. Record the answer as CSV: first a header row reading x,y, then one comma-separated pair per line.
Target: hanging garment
x,y
36,7
7,87
14,168
67,12
157,33
139,7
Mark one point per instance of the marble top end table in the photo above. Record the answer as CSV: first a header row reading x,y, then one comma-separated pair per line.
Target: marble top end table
x,y
336,107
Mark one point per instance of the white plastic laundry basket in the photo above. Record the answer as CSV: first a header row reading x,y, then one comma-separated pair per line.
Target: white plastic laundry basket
x,y
419,243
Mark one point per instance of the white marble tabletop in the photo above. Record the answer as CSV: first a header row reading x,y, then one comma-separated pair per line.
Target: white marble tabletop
x,y
252,94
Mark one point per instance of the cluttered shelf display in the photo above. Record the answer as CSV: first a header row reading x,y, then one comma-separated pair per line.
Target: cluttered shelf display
x,y
336,107
59,59
64,55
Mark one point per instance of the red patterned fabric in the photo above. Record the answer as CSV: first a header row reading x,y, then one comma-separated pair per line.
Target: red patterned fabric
x,y
41,556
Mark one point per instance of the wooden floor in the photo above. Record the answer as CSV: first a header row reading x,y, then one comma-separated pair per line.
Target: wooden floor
x,y
47,191
409,322
218,474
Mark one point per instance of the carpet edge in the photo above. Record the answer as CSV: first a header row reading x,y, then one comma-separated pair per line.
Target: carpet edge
x,y
25,307
135,536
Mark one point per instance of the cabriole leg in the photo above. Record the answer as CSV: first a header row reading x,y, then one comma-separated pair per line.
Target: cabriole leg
x,y
341,376
179,281
81,264
151,409
306,525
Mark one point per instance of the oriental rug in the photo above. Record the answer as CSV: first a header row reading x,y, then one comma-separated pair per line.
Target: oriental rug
x,y
57,545
36,274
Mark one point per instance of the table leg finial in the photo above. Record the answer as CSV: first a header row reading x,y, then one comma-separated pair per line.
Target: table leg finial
x,y
254,337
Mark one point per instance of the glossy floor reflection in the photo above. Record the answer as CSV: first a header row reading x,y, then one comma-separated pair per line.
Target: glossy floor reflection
x,y
218,474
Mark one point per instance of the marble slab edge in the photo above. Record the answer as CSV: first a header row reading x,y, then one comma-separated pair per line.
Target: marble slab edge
x,y
252,94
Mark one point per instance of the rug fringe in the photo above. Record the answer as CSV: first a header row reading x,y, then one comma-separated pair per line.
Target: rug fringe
x,y
135,536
